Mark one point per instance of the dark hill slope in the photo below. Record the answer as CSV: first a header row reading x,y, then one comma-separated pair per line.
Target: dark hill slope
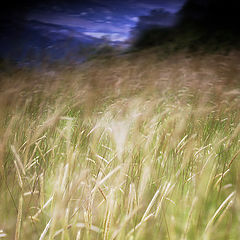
x,y
207,25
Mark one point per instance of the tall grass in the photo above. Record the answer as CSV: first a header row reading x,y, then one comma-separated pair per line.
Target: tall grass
x,y
122,148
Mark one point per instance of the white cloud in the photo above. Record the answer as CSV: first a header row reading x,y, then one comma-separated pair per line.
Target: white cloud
x,y
95,34
111,36
134,19
118,37
72,21
83,13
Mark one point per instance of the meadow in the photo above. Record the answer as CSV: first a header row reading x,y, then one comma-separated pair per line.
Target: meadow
x,y
130,147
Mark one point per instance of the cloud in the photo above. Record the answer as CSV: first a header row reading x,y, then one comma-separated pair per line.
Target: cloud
x,y
95,34
98,18
75,22
74,25
111,36
133,19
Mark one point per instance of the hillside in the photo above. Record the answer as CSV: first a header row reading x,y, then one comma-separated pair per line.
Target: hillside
x,y
127,147
203,26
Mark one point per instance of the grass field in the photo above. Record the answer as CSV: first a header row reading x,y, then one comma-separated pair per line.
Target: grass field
x,y
130,147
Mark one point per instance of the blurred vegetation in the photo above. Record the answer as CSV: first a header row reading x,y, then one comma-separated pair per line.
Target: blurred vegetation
x,y
204,27
103,51
189,37
122,148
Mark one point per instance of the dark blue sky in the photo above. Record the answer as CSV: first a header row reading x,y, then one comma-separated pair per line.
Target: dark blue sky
x,y
59,27
98,18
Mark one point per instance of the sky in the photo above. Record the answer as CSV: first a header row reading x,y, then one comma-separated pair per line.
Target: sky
x,y
96,18
46,23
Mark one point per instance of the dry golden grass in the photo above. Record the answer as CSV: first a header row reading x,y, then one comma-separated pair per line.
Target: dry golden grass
x,y
129,147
